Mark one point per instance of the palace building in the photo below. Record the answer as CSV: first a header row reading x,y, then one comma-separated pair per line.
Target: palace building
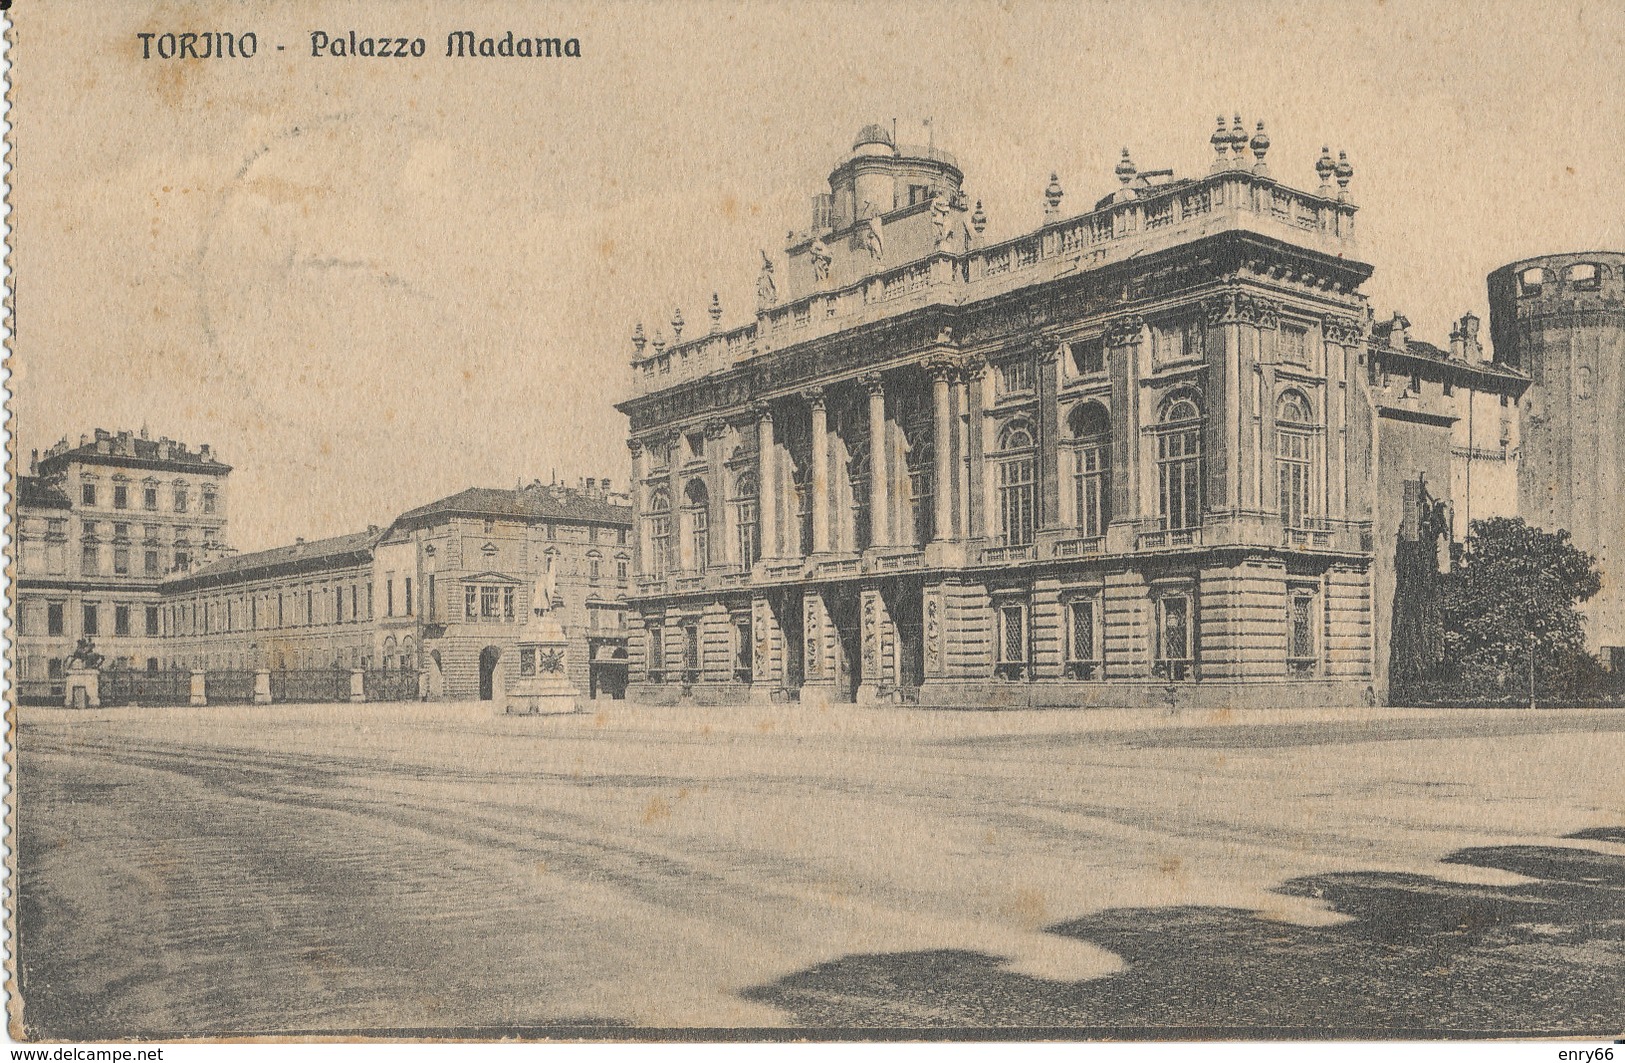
x,y
1124,457
99,527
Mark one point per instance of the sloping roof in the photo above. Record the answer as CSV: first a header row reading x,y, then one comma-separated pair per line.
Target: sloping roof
x,y
531,503
41,493
312,554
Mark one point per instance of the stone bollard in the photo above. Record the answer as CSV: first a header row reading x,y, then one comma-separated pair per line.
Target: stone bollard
x,y
262,686
358,685
200,691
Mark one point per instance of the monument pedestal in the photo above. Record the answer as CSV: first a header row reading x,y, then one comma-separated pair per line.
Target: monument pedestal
x,y
540,687
83,688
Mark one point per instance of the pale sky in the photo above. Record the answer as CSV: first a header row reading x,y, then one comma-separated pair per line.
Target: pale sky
x,y
369,283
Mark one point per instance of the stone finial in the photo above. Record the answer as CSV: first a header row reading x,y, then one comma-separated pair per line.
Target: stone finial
x,y
677,324
1325,167
1125,168
1052,196
1260,145
716,313
1221,143
659,341
638,339
978,220
1238,141
1345,173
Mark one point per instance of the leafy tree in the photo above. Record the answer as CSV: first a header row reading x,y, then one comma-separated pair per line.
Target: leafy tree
x,y
1511,605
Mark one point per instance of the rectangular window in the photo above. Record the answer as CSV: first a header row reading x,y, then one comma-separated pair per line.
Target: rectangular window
x,y
408,594
208,501
1082,656
121,497
90,560
1174,637
745,525
1179,473
1012,645
1293,468
180,500
87,494
1295,344
659,545
121,620
1301,634
149,562
691,653
742,654
149,498
428,591
488,603
53,618
621,536
91,622
1017,518
1016,378
1089,490
655,666
389,596
471,602
121,560
1182,341
507,603
620,571
1088,357
152,620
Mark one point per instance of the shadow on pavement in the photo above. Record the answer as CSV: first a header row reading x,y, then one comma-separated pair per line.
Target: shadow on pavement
x,y
1421,957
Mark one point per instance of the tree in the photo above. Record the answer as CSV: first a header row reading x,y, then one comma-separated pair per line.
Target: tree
x,y
1511,612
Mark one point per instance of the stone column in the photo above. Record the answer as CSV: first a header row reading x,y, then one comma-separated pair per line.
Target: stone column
x,y
943,452
879,473
767,482
640,505
1049,434
975,484
716,441
960,421
818,486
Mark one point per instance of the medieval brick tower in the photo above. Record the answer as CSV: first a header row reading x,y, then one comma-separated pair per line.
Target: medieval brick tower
x,y
1561,319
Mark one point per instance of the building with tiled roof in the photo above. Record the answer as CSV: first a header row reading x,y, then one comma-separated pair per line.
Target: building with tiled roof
x,y
99,525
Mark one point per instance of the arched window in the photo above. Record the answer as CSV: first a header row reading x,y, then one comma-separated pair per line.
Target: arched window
x,y
1294,458
697,507
745,517
921,479
409,655
595,566
1531,280
1016,463
1179,462
1091,432
659,524
389,653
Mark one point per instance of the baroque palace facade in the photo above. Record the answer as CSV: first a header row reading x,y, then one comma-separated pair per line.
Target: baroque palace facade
x,y
1124,457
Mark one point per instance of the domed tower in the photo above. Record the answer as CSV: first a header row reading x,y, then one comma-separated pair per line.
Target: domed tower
x,y
1561,319
880,176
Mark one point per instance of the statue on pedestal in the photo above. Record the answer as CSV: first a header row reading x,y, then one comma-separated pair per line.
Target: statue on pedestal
x,y
541,686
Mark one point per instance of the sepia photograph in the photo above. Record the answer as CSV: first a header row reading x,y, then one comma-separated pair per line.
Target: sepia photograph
x,y
700,521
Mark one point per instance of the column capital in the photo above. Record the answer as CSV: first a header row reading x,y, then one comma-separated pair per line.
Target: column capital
x,y
872,383
635,446
1345,331
941,368
1124,331
760,410
716,428
813,397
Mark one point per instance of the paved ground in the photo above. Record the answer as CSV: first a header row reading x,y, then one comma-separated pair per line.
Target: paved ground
x,y
300,868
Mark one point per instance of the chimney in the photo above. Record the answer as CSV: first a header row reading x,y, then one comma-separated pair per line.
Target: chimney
x,y
204,451
1398,332
33,464
1455,344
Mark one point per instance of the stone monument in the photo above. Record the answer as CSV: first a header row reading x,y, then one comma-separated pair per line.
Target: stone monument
x,y
540,686
83,688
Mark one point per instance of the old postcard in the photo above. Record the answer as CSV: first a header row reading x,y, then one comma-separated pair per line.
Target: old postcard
x,y
662,521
